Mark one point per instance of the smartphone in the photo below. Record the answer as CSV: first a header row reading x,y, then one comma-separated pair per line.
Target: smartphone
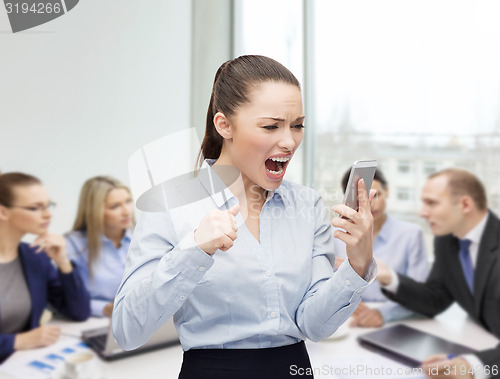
x,y
360,170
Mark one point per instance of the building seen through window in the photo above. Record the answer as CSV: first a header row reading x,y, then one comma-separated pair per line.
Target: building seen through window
x,y
416,99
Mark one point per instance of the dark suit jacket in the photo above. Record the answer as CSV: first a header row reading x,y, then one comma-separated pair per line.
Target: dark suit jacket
x,y
446,284
46,284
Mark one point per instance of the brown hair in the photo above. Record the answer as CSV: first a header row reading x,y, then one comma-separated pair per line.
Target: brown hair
x,y
233,81
10,180
90,214
379,175
463,183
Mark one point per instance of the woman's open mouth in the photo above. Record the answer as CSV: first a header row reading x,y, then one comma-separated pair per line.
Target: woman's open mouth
x,y
276,166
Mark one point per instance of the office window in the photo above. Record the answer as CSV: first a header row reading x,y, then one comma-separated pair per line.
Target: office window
x,y
414,97
273,28
468,164
430,167
386,88
405,167
404,194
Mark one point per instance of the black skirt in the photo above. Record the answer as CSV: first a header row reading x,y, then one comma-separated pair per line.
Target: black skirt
x,y
270,363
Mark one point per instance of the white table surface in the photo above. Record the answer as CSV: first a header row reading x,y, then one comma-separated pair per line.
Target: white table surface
x,y
165,363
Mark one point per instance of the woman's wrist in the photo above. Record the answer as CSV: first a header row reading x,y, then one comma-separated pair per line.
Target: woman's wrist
x,y
359,267
65,266
19,341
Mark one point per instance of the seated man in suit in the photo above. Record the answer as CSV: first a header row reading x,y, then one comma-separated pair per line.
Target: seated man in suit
x,y
466,267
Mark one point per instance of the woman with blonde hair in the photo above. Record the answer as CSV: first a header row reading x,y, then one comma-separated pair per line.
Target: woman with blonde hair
x,y
99,242
33,276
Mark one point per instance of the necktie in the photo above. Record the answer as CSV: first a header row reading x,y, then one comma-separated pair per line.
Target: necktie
x,y
466,262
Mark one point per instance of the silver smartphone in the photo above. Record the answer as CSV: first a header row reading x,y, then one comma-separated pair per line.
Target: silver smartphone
x,y
360,170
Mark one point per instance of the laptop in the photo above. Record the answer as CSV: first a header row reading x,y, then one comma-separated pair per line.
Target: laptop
x,y
409,346
102,342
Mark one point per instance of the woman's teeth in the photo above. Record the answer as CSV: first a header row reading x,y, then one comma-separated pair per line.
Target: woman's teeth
x,y
280,169
280,159
279,164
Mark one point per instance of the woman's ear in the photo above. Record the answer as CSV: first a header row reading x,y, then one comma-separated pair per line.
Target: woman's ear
x,y
223,125
3,213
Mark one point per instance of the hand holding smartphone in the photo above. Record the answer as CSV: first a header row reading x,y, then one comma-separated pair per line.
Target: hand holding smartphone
x,y
360,170
356,231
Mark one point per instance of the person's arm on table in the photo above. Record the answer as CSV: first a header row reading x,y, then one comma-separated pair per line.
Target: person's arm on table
x,y
39,337
364,316
389,282
428,298
6,345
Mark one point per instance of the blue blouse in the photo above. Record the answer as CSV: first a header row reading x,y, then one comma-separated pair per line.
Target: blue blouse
x,y
107,271
255,295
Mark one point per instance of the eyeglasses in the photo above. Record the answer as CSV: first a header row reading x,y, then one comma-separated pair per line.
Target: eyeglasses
x,y
37,208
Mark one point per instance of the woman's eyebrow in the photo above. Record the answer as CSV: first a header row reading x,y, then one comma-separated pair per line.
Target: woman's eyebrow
x,y
281,119
272,118
41,203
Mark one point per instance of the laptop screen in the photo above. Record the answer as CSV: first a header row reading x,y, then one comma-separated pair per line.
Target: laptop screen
x,y
102,342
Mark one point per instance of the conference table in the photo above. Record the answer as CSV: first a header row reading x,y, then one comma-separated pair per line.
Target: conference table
x,y
340,356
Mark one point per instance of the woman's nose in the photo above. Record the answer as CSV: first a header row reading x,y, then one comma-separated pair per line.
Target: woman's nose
x,y
47,213
287,142
127,210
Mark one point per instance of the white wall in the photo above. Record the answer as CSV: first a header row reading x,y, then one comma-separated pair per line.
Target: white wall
x,y
80,94
212,45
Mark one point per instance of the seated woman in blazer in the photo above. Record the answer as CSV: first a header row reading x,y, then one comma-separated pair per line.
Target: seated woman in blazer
x,y
28,279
